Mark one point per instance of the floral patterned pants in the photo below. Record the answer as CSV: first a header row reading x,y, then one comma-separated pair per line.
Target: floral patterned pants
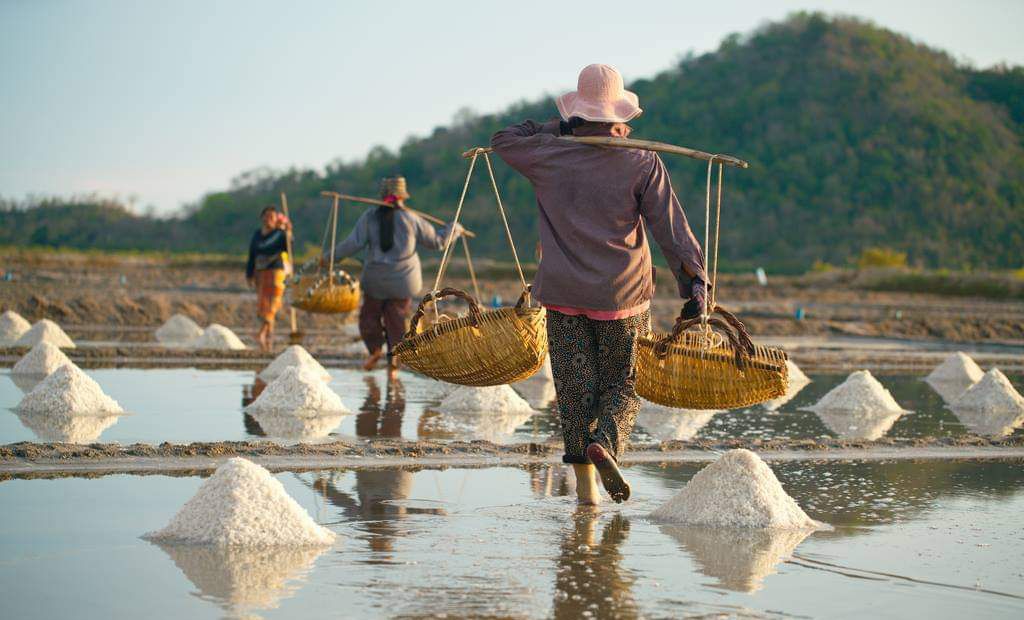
x,y
594,367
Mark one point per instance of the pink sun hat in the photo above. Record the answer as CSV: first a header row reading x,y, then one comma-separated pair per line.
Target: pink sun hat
x,y
599,96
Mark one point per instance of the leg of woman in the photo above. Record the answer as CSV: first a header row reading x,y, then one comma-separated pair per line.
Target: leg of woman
x,y
617,403
396,315
371,329
571,341
264,305
276,301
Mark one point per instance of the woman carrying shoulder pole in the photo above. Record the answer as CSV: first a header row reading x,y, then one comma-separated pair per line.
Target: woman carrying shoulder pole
x,y
595,273
391,269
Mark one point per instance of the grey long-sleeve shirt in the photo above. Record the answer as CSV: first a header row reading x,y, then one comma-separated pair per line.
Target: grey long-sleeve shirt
x,y
595,204
394,274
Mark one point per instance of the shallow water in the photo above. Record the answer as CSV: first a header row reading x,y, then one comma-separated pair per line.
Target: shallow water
x,y
182,405
938,539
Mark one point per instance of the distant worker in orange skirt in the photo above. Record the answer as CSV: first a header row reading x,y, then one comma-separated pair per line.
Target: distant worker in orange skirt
x,y
267,268
391,268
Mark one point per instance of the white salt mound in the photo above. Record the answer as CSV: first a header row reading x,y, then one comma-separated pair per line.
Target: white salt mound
x,y
860,394
993,393
242,504
545,370
68,390
43,359
293,356
668,424
12,327
45,331
738,490
957,368
795,374
216,336
178,330
492,399
298,390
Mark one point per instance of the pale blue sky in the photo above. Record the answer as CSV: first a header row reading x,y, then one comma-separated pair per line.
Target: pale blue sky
x,y
168,100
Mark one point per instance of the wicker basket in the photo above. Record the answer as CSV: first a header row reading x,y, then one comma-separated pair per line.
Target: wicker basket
x,y
326,294
707,369
484,348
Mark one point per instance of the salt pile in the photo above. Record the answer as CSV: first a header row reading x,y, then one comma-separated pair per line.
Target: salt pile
x,y
297,391
954,375
43,359
797,382
68,391
493,399
293,356
216,336
738,490
991,407
545,370
12,327
860,394
67,427
739,559
242,504
243,580
178,330
45,331
669,424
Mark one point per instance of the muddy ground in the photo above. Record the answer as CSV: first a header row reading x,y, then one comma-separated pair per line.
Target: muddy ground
x,y
124,298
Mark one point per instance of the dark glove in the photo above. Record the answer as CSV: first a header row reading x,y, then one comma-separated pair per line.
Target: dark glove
x,y
697,304
565,127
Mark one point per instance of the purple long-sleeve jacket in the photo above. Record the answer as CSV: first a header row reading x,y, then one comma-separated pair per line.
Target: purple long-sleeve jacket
x,y
595,205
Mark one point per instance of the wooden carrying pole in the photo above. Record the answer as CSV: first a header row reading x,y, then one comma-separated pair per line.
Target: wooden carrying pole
x,y
291,255
374,201
628,143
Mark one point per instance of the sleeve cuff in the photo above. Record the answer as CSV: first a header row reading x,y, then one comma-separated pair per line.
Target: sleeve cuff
x,y
551,127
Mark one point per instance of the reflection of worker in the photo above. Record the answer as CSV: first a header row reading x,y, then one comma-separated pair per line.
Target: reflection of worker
x,y
249,394
376,490
266,269
595,275
391,270
589,572
374,420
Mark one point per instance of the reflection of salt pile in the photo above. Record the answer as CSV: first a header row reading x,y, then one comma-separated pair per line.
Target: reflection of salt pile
x,y
797,382
242,504
668,424
991,407
737,490
67,427
216,336
43,359
244,579
179,330
858,408
45,331
293,356
68,391
492,413
739,559
12,327
954,375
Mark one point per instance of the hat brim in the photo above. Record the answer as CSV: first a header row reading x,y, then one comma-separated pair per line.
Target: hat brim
x,y
622,110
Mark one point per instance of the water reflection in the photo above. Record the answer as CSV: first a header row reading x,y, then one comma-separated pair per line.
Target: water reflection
x,y
303,426
552,480
591,581
377,420
249,394
737,559
495,426
377,504
66,427
242,580
998,423
868,425
667,424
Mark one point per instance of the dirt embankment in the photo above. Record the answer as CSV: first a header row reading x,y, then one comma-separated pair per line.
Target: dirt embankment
x,y
125,294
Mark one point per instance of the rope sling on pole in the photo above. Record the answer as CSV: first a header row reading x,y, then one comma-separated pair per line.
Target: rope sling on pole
x,y
337,292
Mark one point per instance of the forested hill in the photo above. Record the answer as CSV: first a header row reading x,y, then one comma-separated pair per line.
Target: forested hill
x,y
856,137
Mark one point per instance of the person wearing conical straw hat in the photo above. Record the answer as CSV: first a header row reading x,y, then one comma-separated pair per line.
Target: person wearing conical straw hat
x,y
391,275
595,277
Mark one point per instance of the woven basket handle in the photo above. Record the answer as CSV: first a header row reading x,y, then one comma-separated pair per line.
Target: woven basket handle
x,y
474,307
731,327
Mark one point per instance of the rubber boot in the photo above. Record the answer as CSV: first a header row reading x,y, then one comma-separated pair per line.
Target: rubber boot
x,y
587,490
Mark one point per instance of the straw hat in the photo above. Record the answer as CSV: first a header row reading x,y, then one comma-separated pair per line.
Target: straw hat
x,y
393,186
599,96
